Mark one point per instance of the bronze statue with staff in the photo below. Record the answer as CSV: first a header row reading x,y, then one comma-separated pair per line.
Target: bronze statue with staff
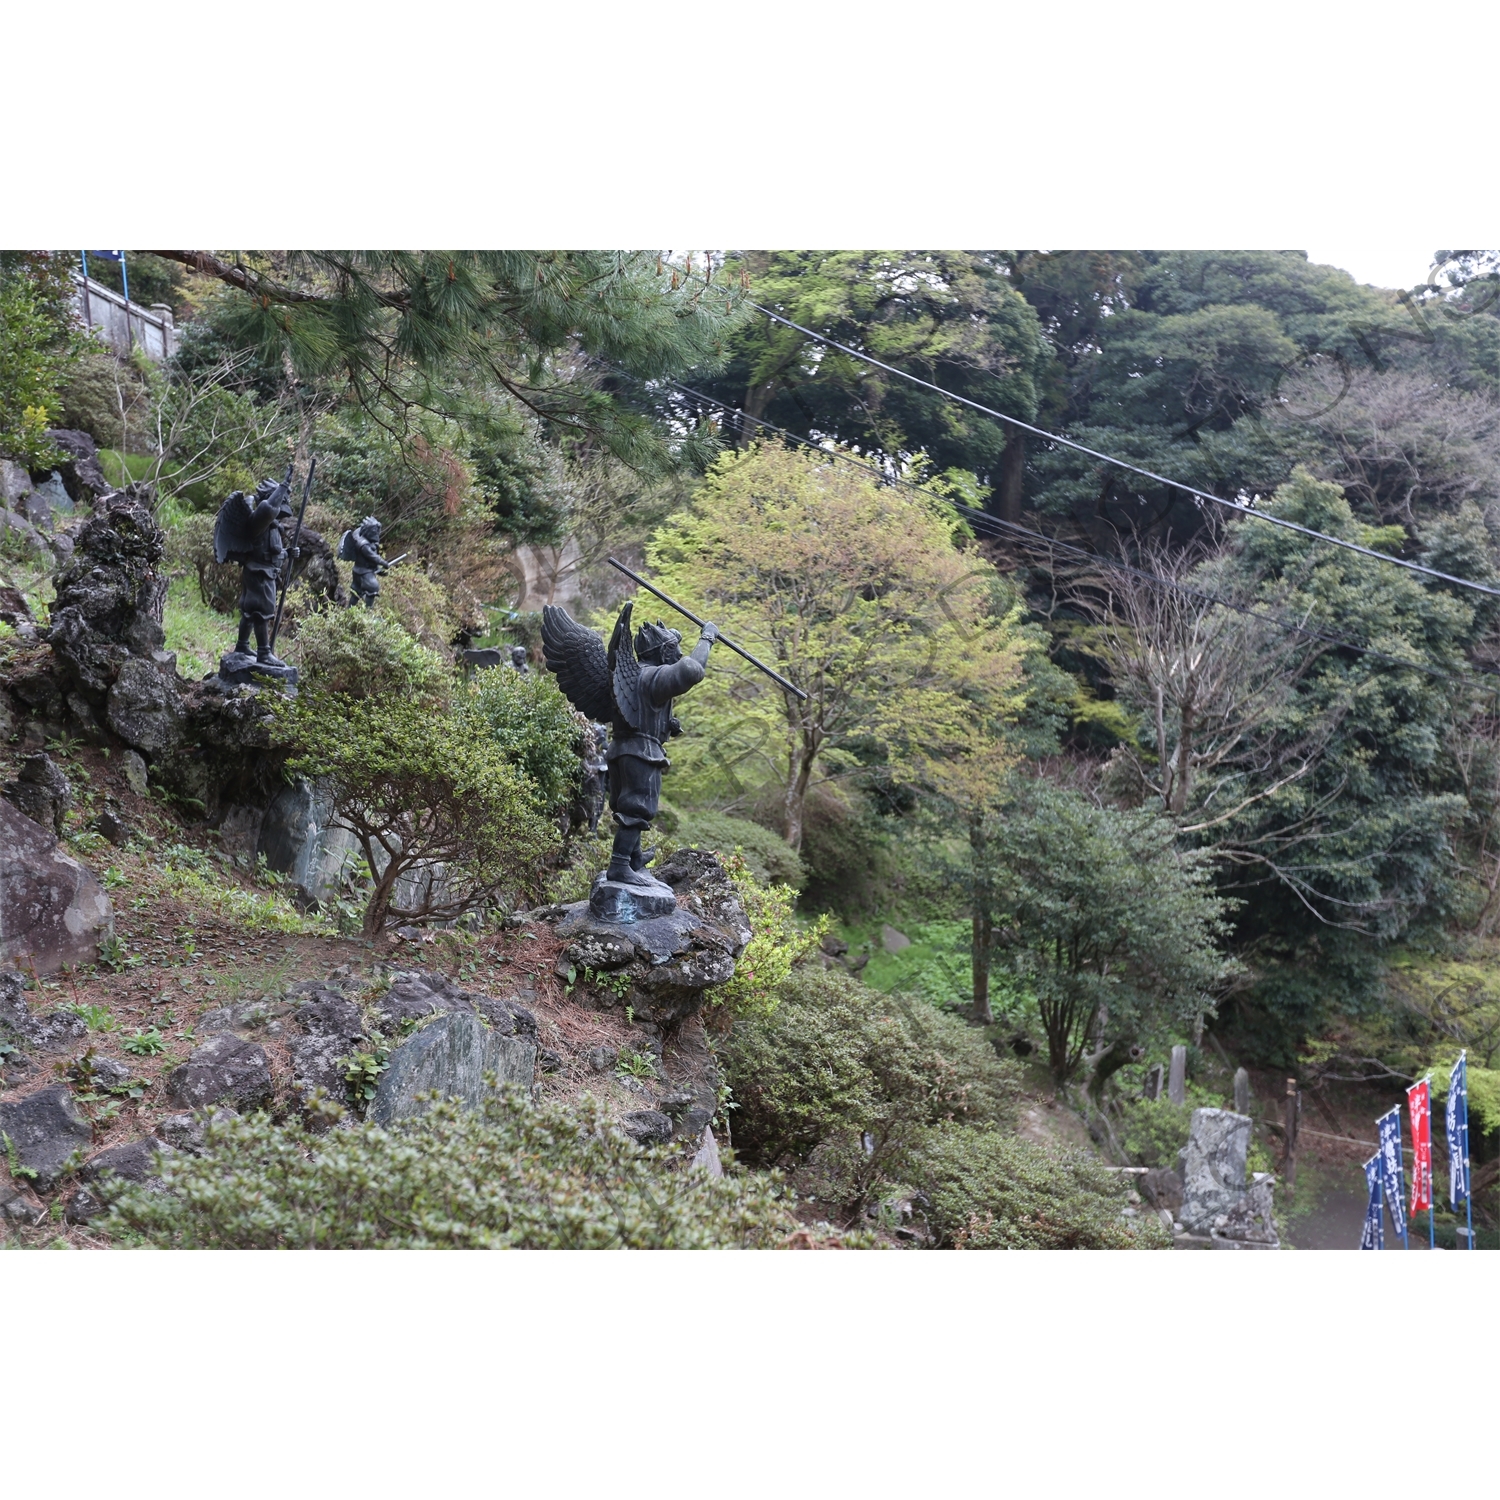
x,y
631,685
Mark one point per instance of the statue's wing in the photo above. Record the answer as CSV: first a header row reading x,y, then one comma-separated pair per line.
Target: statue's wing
x,y
578,658
346,548
232,534
625,670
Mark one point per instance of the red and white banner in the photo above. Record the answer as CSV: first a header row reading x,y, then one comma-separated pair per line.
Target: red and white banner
x,y
1419,1102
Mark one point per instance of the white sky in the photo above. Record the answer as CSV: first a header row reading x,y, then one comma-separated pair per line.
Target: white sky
x,y
1400,269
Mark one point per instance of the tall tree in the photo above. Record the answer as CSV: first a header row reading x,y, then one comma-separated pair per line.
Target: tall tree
x,y
862,596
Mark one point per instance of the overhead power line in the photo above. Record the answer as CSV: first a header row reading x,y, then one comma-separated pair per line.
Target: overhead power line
x,y
1108,458
997,526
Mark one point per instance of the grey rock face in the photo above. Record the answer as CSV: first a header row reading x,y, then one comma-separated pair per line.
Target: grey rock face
x,y
186,1131
111,593
417,993
135,1161
51,907
601,1059
41,792
450,1055
47,1130
49,505
647,1127
601,950
225,1070
81,475
144,707
1161,1187
299,839
54,1032
615,901
23,1207
1213,1177
706,1157
134,767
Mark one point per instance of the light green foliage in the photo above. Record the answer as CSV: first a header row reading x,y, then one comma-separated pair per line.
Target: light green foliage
x,y
862,596
835,1059
1099,915
191,875
535,728
198,634
992,1191
357,654
766,854
37,346
147,1043
513,1177
1153,1131
935,968
778,941
633,1064
96,1017
421,786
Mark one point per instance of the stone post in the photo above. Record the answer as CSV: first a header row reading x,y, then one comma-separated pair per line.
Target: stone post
x,y
1177,1080
1241,1092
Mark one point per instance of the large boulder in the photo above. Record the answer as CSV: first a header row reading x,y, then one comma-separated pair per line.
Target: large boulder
x,y
52,910
450,1056
47,1132
110,595
299,838
144,706
227,1070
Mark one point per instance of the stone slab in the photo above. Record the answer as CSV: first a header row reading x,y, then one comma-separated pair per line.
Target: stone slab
x,y
616,901
450,1056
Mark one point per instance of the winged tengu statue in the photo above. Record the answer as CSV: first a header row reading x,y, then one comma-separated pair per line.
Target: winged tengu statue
x,y
630,685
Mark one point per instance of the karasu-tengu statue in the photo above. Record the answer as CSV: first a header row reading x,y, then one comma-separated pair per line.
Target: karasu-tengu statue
x,y
630,686
249,531
361,546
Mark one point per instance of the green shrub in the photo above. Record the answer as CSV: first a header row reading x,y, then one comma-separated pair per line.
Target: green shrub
x,y
767,855
778,941
536,729
987,1190
360,653
427,794
512,1177
837,1058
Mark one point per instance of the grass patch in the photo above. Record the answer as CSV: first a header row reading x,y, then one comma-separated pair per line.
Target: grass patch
x,y
199,635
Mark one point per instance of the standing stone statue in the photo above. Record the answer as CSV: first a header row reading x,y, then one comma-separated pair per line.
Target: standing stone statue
x,y
362,548
518,660
632,685
249,531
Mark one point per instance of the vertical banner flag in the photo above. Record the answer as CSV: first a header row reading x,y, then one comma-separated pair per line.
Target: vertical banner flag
x,y
1419,1103
1373,1235
1393,1179
1456,1117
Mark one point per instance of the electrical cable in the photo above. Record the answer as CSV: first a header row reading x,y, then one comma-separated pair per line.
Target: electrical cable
x,y
1176,484
984,518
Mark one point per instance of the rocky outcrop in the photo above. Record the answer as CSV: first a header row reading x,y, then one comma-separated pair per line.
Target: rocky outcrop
x,y
110,595
144,706
226,1070
54,1032
52,909
657,970
451,1057
47,1132
300,839
79,470
40,791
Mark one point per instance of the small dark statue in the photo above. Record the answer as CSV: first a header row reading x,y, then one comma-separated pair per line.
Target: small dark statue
x,y
631,685
362,548
249,531
518,656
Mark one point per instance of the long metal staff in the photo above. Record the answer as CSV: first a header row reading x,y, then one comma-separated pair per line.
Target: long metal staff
x,y
291,559
723,639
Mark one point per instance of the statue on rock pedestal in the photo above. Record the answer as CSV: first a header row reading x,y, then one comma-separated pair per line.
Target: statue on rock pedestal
x,y
249,531
362,548
631,685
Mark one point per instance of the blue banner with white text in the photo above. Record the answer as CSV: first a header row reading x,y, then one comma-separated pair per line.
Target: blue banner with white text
x,y
1373,1237
1456,1118
1392,1178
